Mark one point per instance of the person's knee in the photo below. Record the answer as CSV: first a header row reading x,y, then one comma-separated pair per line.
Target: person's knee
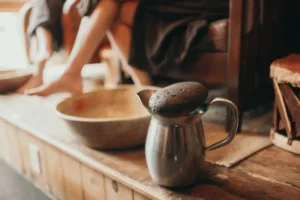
x,y
122,36
127,12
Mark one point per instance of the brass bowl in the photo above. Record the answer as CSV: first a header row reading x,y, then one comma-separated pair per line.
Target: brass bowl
x,y
107,118
11,80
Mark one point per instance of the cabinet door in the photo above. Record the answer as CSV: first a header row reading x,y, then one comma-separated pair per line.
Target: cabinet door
x,y
54,172
4,144
12,133
93,184
117,191
72,178
34,160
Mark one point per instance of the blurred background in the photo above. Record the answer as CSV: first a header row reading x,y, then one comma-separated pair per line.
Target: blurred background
x,y
11,48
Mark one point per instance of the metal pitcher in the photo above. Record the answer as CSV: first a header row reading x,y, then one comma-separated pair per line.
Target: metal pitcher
x,y
175,146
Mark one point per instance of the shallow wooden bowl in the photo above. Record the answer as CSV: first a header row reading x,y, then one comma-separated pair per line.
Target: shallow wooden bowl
x,y
11,80
107,118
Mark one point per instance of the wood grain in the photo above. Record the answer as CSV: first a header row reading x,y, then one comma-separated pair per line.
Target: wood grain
x,y
255,178
72,177
138,196
39,179
250,185
281,107
117,191
15,150
4,144
93,184
285,169
54,172
24,138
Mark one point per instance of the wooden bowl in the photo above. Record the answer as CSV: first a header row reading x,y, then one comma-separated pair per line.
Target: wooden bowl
x,y
107,118
11,80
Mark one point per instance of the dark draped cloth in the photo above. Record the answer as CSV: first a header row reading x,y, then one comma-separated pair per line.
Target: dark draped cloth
x,y
165,31
48,14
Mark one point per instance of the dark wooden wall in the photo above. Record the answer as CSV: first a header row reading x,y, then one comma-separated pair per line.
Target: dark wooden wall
x,y
279,35
291,24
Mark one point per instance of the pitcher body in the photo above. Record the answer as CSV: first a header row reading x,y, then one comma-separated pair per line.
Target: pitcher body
x,y
175,145
175,153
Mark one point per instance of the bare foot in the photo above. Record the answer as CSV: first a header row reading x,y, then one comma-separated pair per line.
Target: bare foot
x,y
66,83
36,80
33,82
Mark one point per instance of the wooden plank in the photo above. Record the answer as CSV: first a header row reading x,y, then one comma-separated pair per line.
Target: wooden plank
x,y
24,138
93,184
138,196
14,147
285,169
54,172
281,107
4,145
117,191
249,184
72,177
234,48
39,178
129,167
293,106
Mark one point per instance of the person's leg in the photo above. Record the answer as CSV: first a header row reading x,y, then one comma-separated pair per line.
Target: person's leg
x,y
44,45
113,72
87,41
121,40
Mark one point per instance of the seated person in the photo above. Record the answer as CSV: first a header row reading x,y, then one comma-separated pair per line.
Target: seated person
x,y
161,34
45,28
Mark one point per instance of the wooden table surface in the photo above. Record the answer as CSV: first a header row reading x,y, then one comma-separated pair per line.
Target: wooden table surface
x,y
269,174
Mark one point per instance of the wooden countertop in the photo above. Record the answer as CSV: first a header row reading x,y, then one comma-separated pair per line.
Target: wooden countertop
x,y
269,174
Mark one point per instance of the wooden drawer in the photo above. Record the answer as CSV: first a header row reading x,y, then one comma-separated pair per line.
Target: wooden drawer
x,y
72,178
93,184
54,172
14,147
35,172
4,144
117,191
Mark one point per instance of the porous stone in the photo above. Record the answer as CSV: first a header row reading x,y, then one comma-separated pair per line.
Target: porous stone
x,y
178,99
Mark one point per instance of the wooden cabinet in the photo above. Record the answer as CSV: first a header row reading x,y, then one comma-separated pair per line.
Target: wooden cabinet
x,y
117,191
34,160
10,145
54,172
15,158
93,184
4,144
72,178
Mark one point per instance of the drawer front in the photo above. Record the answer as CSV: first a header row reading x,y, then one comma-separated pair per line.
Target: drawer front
x,y
93,184
4,144
34,160
117,191
72,178
55,173
14,144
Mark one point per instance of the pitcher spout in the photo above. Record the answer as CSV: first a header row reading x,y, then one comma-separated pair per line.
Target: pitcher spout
x,y
145,96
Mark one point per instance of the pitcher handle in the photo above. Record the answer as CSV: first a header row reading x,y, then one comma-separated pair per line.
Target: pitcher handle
x,y
234,123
